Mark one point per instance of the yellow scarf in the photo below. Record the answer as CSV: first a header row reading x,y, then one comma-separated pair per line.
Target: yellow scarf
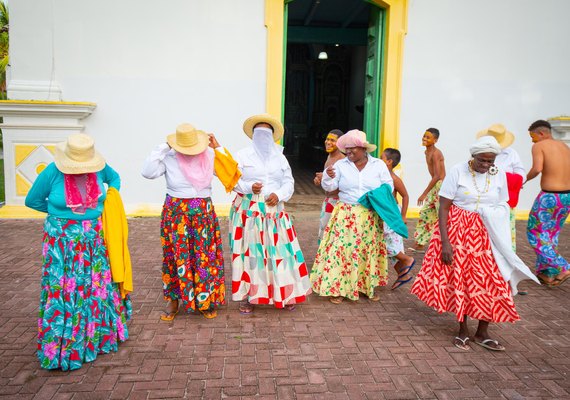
x,y
226,169
116,231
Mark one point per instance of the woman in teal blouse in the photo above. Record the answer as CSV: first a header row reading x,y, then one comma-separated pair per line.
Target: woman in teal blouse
x,y
81,313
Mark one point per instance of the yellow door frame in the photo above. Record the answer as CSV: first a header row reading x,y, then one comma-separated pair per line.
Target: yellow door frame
x,y
396,21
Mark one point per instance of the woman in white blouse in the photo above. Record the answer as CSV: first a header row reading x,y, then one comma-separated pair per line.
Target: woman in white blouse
x,y
352,255
193,263
470,268
267,263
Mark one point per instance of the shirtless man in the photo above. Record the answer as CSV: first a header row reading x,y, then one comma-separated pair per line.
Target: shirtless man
x,y
550,157
331,198
429,200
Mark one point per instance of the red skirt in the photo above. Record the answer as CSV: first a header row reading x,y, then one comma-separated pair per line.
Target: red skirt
x,y
472,285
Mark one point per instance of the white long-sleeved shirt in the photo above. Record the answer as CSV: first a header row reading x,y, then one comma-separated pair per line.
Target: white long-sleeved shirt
x,y
352,183
508,160
162,161
275,174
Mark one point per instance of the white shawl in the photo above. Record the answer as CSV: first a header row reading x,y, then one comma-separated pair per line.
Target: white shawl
x,y
513,269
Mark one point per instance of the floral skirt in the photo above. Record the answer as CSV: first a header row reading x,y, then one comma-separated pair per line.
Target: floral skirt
x,y
352,255
82,313
473,285
268,266
193,262
428,218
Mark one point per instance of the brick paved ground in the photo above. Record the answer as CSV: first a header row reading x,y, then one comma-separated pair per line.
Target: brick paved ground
x,y
394,349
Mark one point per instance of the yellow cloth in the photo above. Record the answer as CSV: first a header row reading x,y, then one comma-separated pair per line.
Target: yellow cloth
x,y
116,232
226,169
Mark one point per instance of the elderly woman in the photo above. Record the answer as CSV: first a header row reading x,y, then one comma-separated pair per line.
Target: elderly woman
x,y
470,263
267,263
352,255
193,262
82,313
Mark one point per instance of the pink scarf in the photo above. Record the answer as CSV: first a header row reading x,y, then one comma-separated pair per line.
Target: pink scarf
x,y
197,169
81,191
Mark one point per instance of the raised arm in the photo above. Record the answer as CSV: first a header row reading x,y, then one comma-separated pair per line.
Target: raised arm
x,y
153,166
111,177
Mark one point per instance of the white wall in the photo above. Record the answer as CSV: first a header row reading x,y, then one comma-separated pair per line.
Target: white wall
x,y
469,64
149,66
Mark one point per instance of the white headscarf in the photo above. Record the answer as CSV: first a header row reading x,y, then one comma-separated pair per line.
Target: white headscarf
x,y
263,143
485,144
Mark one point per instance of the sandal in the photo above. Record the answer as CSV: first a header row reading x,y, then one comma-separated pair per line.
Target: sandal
x,y
336,300
546,280
486,344
210,314
290,307
246,308
461,343
375,297
405,271
560,281
170,313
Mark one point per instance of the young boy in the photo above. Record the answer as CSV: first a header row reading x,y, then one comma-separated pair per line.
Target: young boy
x,y
394,242
429,200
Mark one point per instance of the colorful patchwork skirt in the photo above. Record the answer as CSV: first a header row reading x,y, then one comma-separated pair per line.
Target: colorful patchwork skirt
x,y
326,211
81,310
546,218
473,285
267,263
352,255
193,261
428,218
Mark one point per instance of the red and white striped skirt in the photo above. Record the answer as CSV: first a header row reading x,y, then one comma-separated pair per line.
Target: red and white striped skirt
x,y
472,285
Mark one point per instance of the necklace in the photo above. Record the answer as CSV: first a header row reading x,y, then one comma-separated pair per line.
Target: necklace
x,y
485,188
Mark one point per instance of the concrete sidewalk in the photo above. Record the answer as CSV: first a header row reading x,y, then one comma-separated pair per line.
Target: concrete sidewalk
x,y
394,349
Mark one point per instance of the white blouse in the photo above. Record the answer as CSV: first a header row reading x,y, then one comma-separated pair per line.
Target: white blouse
x,y
458,185
162,161
353,183
275,174
509,161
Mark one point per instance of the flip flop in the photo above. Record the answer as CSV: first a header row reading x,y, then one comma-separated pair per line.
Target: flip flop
x,y
376,297
406,270
210,314
336,300
558,282
485,344
463,346
290,307
246,308
168,315
545,282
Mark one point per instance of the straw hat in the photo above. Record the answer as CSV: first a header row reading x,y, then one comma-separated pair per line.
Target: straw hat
x,y
188,140
77,155
499,132
268,119
354,138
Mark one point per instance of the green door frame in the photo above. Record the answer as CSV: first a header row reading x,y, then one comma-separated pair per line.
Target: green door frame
x,y
374,70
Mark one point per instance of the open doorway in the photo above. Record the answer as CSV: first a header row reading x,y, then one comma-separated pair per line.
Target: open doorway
x,y
332,78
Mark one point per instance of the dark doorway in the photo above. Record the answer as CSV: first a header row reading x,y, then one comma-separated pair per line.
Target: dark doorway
x,y
325,77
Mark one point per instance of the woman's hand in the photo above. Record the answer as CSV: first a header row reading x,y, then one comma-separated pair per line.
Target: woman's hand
x,y
213,141
330,172
318,178
256,187
446,252
272,200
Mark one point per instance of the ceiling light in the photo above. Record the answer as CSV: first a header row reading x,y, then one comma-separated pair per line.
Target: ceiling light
x,y
323,55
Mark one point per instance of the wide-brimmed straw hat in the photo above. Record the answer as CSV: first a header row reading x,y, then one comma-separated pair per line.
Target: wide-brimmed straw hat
x,y
188,140
499,132
277,126
354,138
77,155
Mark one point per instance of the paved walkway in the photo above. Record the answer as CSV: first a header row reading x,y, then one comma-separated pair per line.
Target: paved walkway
x,y
394,349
